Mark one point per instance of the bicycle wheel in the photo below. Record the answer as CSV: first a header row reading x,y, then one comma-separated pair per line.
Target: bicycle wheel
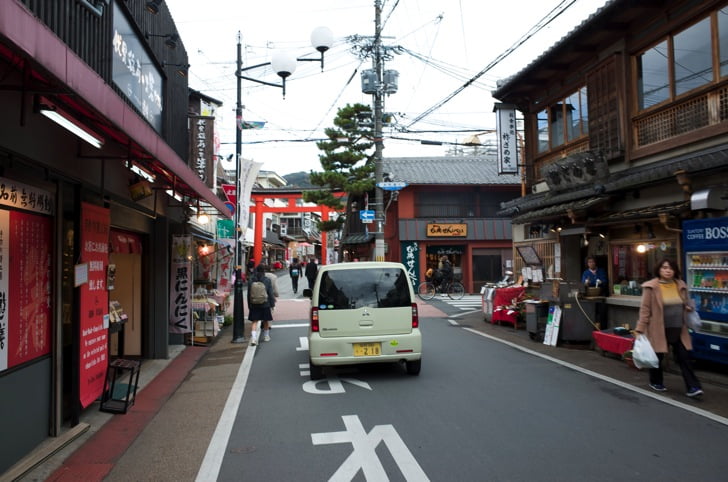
x,y
426,290
456,290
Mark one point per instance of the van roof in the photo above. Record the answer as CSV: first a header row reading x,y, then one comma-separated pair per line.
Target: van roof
x,y
361,265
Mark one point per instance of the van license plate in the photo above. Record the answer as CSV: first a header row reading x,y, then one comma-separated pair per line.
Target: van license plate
x,y
367,349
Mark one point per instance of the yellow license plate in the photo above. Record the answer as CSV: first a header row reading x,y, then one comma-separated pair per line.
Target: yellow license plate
x,y
367,349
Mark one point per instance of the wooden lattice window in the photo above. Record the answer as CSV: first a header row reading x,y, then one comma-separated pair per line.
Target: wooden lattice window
x,y
678,119
604,108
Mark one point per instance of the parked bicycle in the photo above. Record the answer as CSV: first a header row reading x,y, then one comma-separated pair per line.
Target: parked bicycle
x,y
453,289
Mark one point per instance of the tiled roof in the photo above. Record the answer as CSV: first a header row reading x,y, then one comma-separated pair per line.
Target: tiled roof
x,y
465,170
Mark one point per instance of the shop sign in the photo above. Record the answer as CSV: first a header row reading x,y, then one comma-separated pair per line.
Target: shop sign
x,y
94,303
507,138
201,149
180,283
25,303
133,71
411,260
18,195
225,229
446,230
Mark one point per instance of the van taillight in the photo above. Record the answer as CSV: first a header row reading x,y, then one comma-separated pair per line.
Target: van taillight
x,y
415,316
314,319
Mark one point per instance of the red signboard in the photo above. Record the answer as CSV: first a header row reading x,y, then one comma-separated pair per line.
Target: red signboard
x,y
94,306
230,193
25,282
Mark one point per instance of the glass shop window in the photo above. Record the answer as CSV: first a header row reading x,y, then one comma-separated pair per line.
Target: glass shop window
x,y
634,263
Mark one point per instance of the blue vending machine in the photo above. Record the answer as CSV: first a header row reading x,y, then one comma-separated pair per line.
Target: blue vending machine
x,y
705,244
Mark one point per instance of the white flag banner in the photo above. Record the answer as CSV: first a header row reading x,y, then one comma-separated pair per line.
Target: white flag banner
x,y
248,174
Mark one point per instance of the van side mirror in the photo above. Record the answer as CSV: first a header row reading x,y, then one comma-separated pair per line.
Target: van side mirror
x,y
307,292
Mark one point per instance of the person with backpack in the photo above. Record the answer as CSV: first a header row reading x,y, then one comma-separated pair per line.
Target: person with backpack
x,y
260,301
311,272
295,272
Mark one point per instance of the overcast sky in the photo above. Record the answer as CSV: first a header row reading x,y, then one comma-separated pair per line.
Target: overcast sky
x,y
446,42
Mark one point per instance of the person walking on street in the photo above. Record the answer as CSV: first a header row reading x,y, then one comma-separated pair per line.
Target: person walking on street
x,y
662,319
260,301
294,271
274,285
311,271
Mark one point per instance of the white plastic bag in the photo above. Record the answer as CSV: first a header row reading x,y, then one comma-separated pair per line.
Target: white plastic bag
x,y
643,355
692,319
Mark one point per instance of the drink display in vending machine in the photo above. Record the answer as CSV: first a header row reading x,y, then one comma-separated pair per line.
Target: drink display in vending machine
x,y
705,244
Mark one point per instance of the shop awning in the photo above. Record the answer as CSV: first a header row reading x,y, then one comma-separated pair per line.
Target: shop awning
x,y
650,212
273,239
55,67
559,210
357,238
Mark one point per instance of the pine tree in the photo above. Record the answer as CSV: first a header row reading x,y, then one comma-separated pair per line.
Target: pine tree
x,y
347,160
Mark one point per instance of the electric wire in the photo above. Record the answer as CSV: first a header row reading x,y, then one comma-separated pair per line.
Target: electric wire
x,y
550,17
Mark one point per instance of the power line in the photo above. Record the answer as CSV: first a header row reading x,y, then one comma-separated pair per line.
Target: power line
x,y
550,17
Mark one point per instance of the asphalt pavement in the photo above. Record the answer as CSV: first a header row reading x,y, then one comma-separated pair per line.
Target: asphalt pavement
x,y
165,435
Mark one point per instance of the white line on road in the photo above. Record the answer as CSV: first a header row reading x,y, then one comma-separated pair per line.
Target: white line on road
x,y
668,401
212,462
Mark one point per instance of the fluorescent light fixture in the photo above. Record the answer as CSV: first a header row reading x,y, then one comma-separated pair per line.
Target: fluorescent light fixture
x,y
141,173
65,120
174,195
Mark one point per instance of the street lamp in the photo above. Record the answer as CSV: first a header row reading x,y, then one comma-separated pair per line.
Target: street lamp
x,y
284,65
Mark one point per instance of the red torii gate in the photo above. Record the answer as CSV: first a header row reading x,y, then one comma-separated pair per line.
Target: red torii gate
x,y
259,208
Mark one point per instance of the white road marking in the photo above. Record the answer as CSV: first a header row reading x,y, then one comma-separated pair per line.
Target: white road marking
x,y
212,462
364,456
334,385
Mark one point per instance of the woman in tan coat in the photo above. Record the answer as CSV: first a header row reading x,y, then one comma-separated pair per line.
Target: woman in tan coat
x,y
662,319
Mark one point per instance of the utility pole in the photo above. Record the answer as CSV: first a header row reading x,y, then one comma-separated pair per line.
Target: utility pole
x,y
378,144
238,311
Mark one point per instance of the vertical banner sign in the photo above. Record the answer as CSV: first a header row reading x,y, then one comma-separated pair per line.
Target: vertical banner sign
x,y
411,261
94,304
202,145
180,285
25,283
247,179
507,139
225,263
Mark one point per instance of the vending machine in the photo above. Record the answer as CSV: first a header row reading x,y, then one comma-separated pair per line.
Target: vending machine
x,y
705,244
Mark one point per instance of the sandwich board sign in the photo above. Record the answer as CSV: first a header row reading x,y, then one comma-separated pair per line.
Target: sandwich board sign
x,y
553,322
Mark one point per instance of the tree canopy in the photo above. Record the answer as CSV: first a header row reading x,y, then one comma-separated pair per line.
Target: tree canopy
x,y
347,160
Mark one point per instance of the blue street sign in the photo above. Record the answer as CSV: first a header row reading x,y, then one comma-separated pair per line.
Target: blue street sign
x,y
392,185
366,215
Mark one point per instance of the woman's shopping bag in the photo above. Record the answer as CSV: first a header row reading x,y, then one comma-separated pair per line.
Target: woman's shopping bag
x,y
643,355
692,319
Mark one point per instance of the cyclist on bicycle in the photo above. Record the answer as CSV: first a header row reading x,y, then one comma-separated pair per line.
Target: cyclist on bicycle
x,y
445,272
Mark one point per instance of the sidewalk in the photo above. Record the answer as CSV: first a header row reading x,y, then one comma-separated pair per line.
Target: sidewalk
x,y
168,429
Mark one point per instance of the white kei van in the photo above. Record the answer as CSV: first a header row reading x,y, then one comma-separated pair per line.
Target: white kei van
x,y
363,312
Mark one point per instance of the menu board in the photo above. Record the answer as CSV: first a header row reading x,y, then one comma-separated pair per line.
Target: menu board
x,y
25,280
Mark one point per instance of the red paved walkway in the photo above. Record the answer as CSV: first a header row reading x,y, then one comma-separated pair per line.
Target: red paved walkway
x,y
95,458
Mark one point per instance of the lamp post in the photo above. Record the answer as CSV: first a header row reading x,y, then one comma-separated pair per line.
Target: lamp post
x,y
284,65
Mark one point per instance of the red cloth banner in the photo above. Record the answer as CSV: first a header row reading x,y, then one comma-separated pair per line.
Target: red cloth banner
x,y
25,283
94,305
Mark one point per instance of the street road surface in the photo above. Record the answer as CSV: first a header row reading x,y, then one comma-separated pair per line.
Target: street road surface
x,y
479,410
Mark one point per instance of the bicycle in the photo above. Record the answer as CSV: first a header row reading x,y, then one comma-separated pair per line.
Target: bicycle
x,y
427,290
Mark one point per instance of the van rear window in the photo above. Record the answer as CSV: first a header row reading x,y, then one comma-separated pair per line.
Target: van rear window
x,y
357,288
